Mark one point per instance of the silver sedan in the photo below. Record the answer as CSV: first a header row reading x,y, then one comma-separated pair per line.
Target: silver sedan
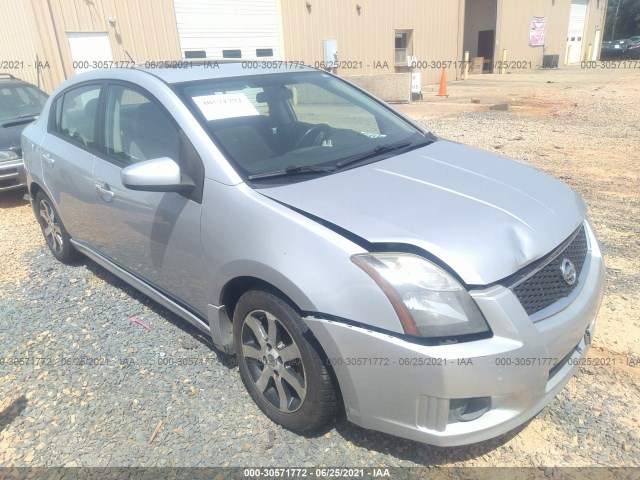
x,y
349,258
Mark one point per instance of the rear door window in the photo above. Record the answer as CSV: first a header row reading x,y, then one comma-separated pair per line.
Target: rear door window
x,y
75,115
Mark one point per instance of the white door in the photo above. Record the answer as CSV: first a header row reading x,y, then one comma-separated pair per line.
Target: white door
x,y
575,35
246,29
89,50
596,46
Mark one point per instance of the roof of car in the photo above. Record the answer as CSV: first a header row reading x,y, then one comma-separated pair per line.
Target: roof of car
x,y
9,83
8,79
186,70
191,70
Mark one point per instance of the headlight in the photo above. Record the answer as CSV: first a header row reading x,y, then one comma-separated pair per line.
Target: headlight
x,y
6,155
429,302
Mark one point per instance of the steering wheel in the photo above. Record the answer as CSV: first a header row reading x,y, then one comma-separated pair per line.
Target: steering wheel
x,y
314,135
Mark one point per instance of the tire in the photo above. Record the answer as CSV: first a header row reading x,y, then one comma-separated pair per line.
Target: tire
x,y
56,236
285,376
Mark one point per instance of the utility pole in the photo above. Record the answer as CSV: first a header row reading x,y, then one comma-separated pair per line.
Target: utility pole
x,y
615,21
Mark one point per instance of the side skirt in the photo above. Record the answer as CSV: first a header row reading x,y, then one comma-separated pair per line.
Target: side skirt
x,y
143,287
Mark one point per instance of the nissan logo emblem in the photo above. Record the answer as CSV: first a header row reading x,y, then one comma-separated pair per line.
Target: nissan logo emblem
x,y
568,270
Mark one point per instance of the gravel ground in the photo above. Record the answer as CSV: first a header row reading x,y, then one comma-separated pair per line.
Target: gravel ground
x,y
101,390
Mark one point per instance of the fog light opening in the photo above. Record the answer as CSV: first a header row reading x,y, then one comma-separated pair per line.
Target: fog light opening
x,y
468,409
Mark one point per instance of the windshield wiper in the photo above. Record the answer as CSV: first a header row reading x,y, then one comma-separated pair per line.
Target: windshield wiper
x,y
293,170
6,122
379,150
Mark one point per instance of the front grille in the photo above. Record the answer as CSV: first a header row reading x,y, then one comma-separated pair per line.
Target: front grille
x,y
547,285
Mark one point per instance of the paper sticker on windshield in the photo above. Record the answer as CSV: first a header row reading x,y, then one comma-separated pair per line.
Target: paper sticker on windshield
x,y
372,135
226,105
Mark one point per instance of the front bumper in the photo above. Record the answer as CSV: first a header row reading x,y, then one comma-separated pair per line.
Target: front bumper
x,y
413,391
12,175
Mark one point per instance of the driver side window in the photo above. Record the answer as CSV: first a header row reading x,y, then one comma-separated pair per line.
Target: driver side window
x,y
137,129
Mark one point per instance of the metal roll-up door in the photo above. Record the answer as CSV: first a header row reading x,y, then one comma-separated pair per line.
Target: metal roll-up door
x,y
246,29
575,35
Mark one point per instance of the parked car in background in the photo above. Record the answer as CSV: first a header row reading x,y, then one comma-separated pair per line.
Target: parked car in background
x,y
443,293
20,104
633,48
614,49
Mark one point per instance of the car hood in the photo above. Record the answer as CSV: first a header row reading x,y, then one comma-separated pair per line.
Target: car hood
x,y
10,131
484,215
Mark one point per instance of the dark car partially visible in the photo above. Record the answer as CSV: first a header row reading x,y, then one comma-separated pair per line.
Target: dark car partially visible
x,y
614,49
20,104
633,49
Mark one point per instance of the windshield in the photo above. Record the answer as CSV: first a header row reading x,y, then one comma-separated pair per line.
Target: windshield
x,y
20,101
286,123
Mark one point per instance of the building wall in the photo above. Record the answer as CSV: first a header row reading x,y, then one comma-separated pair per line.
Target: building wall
x,y
367,38
21,43
145,30
438,31
482,14
514,22
596,13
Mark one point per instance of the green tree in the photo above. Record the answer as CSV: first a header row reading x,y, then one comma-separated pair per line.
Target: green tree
x,y
624,15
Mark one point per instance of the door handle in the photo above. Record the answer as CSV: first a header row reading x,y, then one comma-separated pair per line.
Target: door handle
x,y
104,191
48,159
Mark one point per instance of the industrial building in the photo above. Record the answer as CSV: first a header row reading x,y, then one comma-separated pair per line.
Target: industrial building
x,y
46,41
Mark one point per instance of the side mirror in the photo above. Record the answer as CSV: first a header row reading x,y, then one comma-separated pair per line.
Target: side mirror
x,y
156,175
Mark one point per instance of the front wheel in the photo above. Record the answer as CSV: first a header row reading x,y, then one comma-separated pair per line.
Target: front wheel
x,y
280,368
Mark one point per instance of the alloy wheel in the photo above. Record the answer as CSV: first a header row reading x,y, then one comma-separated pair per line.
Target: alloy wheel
x,y
51,227
274,361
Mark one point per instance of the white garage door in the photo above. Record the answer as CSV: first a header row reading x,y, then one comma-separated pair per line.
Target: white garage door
x,y
575,35
229,28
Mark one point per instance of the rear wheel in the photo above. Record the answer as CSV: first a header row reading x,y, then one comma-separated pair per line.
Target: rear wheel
x,y
56,236
280,368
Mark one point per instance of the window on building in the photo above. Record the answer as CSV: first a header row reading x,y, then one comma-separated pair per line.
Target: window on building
x,y
232,53
264,52
195,54
404,46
